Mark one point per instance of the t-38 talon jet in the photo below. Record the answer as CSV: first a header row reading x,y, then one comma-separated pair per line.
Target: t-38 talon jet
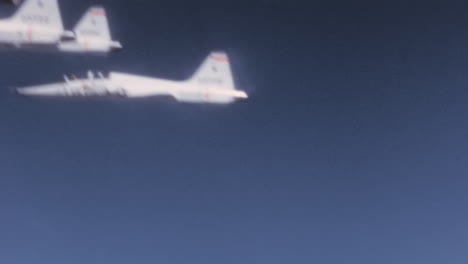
x,y
212,83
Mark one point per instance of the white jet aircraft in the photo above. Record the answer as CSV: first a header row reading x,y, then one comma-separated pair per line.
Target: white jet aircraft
x,y
212,83
36,24
92,34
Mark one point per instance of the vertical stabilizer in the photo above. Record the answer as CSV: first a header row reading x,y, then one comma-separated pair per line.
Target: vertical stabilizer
x,y
44,13
215,71
93,25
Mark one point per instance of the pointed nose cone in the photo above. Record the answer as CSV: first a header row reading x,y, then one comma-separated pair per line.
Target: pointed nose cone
x,y
44,90
26,91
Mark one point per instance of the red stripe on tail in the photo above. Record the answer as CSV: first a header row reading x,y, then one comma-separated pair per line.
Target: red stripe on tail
x,y
220,58
97,12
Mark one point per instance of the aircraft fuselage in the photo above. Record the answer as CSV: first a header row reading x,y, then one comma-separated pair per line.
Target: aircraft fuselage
x,y
130,86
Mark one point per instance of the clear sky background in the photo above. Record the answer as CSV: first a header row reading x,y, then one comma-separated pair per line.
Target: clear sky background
x,y
352,148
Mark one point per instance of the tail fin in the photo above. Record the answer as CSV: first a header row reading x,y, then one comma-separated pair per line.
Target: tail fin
x,y
93,24
40,12
216,71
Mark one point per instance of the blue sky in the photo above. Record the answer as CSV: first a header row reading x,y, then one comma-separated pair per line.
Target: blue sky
x,y
352,148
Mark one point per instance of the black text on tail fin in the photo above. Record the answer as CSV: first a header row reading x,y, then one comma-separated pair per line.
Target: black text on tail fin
x,y
40,12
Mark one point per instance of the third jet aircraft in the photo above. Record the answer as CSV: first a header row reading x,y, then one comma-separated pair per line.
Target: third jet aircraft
x,y
211,83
